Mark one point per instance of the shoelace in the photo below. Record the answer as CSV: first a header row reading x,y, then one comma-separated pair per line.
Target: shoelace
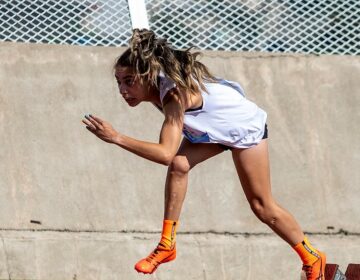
x,y
150,258
153,255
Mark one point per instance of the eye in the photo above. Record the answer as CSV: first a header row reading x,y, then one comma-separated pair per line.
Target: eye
x,y
129,82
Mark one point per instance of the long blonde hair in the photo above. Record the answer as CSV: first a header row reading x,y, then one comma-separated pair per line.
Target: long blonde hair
x,y
148,55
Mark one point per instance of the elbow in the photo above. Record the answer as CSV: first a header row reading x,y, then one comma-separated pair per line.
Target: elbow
x,y
167,159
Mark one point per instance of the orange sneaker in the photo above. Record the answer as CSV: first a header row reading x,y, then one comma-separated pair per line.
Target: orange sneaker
x,y
316,271
160,255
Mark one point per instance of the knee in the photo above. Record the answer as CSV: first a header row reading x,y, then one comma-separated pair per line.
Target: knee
x,y
179,165
265,211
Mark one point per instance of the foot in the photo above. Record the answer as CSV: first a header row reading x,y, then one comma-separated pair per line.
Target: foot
x,y
160,255
315,271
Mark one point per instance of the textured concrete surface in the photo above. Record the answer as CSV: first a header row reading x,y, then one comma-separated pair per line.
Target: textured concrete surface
x,y
66,185
111,256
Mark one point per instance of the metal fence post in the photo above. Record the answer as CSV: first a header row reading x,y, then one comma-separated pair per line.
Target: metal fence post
x,y
138,14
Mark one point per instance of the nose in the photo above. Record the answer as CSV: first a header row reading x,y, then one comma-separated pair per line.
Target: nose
x,y
125,94
122,91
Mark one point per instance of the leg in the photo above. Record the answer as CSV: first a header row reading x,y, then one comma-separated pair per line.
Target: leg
x,y
175,189
252,166
187,157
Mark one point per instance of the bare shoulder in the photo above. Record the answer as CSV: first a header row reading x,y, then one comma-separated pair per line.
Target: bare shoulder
x,y
174,106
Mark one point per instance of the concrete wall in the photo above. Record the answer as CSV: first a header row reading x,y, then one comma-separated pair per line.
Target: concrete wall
x,y
96,209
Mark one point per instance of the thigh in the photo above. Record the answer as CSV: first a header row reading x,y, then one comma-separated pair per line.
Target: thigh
x,y
252,166
197,152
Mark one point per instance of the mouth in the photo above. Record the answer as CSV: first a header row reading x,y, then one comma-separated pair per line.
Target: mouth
x,y
130,100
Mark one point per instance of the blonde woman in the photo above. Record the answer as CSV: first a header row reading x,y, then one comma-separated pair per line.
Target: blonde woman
x,y
213,115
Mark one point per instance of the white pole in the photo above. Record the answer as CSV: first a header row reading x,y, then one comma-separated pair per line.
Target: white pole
x,y
138,14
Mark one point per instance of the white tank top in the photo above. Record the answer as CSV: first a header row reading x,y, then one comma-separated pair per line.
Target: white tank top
x,y
225,117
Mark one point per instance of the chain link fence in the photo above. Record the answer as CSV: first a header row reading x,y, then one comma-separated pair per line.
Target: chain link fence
x,y
296,26
306,26
75,22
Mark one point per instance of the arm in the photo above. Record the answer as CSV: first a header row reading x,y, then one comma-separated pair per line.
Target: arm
x,y
170,135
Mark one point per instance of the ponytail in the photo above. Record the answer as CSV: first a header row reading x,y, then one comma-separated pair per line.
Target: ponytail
x,y
148,55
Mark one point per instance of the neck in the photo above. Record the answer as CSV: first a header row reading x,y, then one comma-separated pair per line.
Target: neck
x,y
154,96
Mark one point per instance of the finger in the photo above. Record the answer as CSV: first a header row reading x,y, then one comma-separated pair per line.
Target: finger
x,y
100,121
93,121
89,125
91,129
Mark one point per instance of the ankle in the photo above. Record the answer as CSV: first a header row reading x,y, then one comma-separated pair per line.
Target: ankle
x,y
308,254
168,235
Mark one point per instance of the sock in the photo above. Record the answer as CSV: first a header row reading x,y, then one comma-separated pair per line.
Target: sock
x,y
307,252
168,235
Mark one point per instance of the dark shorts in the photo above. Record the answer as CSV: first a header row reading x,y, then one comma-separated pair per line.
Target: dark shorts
x,y
265,136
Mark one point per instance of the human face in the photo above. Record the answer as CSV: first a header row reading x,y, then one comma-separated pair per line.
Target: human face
x,y
131,89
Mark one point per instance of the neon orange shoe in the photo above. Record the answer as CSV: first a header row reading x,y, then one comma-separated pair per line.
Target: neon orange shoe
x,y
316,271
160,255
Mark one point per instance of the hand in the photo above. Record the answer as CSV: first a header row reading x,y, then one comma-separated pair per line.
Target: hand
x,y
100,128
